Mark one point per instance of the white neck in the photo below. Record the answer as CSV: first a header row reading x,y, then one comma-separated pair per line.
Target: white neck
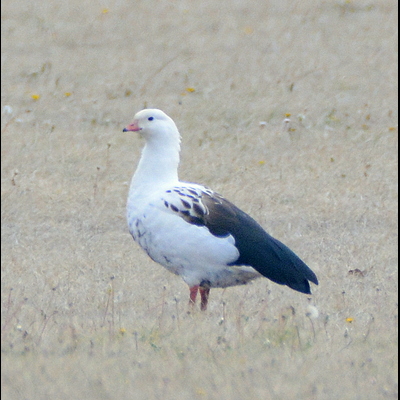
x,y
157,167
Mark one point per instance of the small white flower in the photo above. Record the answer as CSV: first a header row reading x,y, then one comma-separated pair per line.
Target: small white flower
x,y
312,312
7,110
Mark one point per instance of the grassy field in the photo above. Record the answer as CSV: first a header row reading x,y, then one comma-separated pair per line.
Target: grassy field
x,y
85,313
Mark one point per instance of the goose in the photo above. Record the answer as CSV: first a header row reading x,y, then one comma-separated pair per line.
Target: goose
x,y
195,232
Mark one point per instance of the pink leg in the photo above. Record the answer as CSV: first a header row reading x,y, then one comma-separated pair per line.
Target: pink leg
x,y
193,294
204,293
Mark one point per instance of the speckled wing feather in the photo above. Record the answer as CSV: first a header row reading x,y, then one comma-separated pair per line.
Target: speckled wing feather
x,y
200,206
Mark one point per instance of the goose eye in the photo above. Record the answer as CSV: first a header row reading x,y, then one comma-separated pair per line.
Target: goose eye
x,y
150,118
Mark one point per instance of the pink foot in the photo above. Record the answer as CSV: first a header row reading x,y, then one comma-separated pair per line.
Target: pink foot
x,y
204,293
193,294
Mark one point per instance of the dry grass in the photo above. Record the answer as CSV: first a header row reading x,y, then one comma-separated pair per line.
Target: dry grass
x,y
85,314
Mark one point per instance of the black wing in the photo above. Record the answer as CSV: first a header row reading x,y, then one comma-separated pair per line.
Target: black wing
x,y
257,248
271,258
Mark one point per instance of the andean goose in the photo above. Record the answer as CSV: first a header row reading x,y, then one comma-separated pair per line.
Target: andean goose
x,y
193,231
